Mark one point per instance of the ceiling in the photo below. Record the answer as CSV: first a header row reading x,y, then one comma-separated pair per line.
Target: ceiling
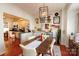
x,y
33,8
74,6
15,18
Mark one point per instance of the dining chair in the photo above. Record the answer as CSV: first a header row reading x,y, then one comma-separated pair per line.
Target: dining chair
x,y
12,35
50,51
6,36
28,51
51,46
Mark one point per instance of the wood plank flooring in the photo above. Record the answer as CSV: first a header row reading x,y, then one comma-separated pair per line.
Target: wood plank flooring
x,y
14,49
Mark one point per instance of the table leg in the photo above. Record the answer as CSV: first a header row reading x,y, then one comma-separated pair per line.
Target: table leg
x,y
76,51
38,54
42,54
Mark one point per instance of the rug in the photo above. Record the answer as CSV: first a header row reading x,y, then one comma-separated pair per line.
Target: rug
x,y
56,50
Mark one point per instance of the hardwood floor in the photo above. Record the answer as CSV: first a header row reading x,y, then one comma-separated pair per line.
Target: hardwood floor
x,y
64,50
13,49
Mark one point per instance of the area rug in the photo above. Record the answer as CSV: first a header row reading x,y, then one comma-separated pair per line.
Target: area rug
x,y
56,50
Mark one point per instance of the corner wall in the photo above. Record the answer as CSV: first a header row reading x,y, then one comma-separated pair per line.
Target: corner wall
x,y
72,19
64,38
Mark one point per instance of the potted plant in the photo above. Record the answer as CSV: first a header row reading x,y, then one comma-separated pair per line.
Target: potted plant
x,y
58,35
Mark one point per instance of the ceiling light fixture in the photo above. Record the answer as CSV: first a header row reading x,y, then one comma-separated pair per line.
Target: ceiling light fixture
x,y
43,11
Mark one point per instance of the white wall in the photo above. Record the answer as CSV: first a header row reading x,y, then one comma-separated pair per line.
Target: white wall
x,y
51,17
12,9
63,26
71,21
69,17
68,24
72,18
2,46
64,39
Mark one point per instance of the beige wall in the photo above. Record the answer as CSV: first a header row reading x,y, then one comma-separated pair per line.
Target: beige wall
x,y
22,24
77,25
77,21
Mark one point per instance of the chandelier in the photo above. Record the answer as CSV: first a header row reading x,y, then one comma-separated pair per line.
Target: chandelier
x,y
43,11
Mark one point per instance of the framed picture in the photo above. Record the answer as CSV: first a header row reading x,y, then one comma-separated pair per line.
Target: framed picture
x,y
42,19
37,21
56,20
48,19
46,26
43,13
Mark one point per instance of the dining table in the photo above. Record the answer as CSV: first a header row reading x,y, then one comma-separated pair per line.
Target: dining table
x,y
31,40
33,45
41,46
44,46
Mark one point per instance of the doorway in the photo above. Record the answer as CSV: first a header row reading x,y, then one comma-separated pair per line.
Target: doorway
x,y
13,27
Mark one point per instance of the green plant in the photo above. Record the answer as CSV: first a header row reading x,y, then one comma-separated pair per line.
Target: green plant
x,y
58,35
